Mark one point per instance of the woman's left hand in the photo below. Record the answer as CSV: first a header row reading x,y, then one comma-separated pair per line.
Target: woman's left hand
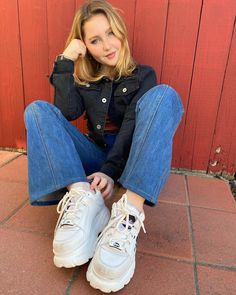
x,y
102,182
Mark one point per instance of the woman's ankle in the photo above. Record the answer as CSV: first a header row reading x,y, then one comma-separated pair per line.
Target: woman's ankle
x,y
135,200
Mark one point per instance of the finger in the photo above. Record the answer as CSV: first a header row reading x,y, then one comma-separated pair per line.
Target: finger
x,y
102,184
90,179
95,182
82,54
107,192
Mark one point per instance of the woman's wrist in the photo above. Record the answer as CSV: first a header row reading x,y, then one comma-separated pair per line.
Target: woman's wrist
x,y
63,57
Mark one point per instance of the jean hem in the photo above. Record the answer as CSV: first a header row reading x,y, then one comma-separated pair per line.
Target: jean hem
x,y
35,197
148,199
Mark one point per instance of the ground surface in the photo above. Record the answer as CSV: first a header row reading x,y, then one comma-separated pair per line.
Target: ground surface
x,y
189,248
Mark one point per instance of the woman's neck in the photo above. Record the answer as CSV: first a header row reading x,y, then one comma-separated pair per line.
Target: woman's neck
x,y
108,72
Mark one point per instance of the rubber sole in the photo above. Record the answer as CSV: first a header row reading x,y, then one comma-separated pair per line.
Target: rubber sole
x,y
108,286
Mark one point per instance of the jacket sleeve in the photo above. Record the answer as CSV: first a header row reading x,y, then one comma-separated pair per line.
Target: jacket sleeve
x,y
119,153
66,95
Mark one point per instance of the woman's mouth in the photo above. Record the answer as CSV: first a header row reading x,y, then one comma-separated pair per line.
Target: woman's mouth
x,y
111,55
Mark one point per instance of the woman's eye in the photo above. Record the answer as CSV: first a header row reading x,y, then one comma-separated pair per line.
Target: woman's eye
x,y
94,41
110,33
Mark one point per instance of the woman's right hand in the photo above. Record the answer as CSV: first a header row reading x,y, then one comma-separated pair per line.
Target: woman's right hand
x,y
75,49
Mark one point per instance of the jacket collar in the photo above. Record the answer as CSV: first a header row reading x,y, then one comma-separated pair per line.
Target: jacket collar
x,y
132,78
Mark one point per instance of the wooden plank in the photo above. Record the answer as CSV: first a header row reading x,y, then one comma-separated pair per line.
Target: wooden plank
x,y
11,90
231,164
34,44
127,12
149,35
180,45
223,151
60,15
60,18
78,3
211,58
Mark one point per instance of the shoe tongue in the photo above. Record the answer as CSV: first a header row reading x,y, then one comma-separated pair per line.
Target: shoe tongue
x,y
71,204
133,210
131,221
132,216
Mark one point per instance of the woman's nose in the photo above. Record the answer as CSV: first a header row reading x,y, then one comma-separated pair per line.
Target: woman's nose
x,y
106,45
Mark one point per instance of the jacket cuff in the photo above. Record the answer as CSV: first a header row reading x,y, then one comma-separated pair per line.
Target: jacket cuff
x,y
64,66
111,171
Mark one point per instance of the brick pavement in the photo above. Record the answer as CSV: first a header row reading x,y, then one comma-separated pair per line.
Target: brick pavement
x,y
189,248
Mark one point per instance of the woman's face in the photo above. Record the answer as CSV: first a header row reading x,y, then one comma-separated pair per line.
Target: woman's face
x,y
100,41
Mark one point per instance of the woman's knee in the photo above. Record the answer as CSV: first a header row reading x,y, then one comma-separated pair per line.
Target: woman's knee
x,y
37,106
160,95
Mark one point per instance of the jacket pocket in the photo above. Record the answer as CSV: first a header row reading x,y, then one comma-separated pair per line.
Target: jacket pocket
x,y
126,88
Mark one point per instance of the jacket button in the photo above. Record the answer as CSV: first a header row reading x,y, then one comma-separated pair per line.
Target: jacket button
x,y
87,85
99,126
124,89
104,100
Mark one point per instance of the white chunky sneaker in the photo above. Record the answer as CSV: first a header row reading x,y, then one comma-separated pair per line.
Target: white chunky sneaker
x,y
83,215
113,264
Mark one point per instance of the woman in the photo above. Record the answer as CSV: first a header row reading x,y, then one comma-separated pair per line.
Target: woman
x,y
131,124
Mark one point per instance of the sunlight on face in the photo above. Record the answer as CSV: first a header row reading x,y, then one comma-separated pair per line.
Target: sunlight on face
x,y
100,41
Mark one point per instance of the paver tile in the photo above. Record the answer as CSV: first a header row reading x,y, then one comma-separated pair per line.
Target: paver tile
x,y
174,190
216,281
35,218
27,266
153,275
15,171
26,240
214,233
167,231
12,195
210,193
6,156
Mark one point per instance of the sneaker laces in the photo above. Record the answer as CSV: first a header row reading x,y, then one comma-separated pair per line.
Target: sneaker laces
x,y
120,231
69,206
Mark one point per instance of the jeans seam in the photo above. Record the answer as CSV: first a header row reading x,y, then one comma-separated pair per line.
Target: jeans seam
x,y
160,181
45,148
141,146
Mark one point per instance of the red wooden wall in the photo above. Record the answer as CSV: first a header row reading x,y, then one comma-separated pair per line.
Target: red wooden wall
x,y
190,43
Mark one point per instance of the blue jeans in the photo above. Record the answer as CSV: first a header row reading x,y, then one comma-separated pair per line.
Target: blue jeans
x,y
59,154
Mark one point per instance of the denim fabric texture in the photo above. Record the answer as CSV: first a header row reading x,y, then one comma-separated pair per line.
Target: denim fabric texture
x,y
59,154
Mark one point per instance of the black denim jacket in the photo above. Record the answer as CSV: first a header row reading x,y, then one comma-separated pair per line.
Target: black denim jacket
x,y
97,99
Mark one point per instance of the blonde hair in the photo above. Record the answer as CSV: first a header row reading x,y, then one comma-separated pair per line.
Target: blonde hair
x,y
87,68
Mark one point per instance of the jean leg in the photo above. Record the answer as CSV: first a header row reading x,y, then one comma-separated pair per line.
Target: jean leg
x,y
158,113
58,153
